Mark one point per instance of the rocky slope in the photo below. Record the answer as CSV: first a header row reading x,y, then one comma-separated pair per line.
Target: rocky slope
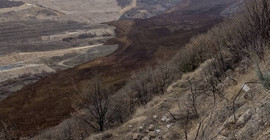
x,y
163,117
141,42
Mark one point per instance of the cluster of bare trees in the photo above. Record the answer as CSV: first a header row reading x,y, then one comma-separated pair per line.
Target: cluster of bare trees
x,y
145,84
104,108
6,131
246,36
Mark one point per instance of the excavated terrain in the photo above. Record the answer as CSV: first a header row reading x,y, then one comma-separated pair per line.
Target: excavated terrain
x,y
90,11
149,8
64,36
51,33
141,43
8,4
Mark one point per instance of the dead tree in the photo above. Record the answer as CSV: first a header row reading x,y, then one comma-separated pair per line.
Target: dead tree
x,y
162,76
186,123
139,85
97,102
193,98
258,18
100,108
122,107
248,36
7,131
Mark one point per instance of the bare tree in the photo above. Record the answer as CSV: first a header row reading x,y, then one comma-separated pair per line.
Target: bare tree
x,y
7,131
193,98
139,85
186,123
122,107
162,76
258,18
97,102
248,34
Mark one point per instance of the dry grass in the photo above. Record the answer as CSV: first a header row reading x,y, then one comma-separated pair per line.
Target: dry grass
x,y
146,38
144,115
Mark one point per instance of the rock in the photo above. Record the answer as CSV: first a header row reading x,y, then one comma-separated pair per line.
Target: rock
x,y
137,136
244,117
146,138
107,136
175,112
219,137
169,125
130,126
154,116
152,134
157,130
225,132
164,118
168,120
141,128
229,122
151,127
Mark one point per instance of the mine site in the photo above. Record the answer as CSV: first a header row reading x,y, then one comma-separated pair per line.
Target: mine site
x,y
41,37
134,69
38,37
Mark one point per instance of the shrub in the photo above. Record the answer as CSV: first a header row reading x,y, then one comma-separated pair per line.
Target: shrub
x,y
264,78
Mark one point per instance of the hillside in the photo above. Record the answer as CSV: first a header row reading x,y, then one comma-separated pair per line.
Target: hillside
x,y
218,86
164,116
221,93
141,43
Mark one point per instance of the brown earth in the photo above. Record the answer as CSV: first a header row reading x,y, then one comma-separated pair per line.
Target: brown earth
x,y
49,101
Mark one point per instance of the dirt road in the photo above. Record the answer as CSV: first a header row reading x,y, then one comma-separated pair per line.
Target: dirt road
x,y
132,5
32,57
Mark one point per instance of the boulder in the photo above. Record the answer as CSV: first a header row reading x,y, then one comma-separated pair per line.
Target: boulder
x,y
152,134
151,127
244,117
146,138
164,118
157,130
220,137
141,128
229,121
169,125
137,136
